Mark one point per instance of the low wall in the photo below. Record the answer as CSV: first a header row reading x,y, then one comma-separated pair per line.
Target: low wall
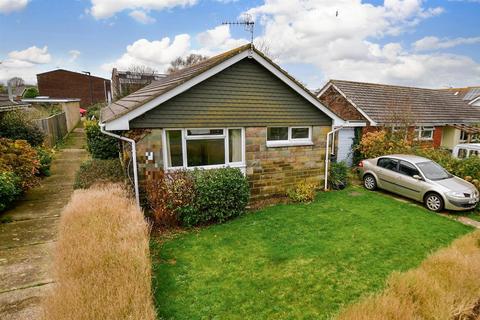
x,y
54,127
72,114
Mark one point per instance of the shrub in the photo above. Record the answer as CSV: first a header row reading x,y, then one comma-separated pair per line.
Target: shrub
x,y
98,171
302,192
9,189
45,158
169,195
100,145
221,194
30,93
21,159
93,111
197,197
445,286
102,266
16,125
338,175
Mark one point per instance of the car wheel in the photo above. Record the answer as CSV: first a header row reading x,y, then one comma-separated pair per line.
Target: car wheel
x,y
434,202
369,182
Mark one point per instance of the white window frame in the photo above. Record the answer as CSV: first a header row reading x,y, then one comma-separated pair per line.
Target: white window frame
x,y
290,141
419,130
186,137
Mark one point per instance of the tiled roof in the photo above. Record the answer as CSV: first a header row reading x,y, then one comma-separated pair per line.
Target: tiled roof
x,y
7,105
173,80
425,106
467,94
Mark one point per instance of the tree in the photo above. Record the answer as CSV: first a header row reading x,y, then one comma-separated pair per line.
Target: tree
x,y
31,93
16,82
190,60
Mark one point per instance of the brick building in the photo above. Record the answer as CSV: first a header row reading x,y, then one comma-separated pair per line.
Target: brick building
x,y
68,84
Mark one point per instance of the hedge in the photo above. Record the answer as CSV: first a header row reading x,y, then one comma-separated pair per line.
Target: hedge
x,y
100,145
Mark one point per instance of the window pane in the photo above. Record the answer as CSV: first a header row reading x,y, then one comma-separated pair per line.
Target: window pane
x,y
174,148
205,152
235,145
279,133
407,169
204,132
426,134
387,163
300,133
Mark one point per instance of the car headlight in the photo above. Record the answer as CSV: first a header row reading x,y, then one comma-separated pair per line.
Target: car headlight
x,y
455,194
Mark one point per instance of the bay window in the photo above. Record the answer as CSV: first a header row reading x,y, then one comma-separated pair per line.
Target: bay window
x,y
288,136
193,148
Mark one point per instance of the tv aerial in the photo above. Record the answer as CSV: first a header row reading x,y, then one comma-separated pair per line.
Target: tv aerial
x,y
245,21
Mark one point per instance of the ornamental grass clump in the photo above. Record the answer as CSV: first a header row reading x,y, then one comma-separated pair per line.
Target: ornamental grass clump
x,y
444,286
102,266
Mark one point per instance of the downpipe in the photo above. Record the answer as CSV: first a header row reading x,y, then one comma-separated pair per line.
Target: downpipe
x,y
327,154
134,159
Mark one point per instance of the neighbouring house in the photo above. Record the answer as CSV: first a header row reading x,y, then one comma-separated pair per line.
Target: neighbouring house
x,y
437,116
470,95
8,104
126,82
63,83
237,109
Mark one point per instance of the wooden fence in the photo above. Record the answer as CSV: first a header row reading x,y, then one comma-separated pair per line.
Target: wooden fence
x,y
54,127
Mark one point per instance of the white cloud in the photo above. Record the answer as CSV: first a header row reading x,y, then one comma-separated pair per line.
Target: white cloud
x,y
346,46
7,6
102,9
158,54
434,43
33,54
74,54
25,63
141,16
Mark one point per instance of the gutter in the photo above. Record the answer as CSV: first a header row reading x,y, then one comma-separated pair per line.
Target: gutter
x,y
134,159
327,154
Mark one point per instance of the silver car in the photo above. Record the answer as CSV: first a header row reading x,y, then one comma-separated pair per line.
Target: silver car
x,y
420,179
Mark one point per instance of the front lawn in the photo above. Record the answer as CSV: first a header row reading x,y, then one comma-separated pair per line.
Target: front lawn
x,y
294,261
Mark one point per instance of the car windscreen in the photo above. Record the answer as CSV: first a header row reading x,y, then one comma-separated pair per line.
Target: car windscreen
x,y
433,171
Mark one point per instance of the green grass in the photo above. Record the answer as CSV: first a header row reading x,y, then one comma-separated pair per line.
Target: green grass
x,y
294,261
474,215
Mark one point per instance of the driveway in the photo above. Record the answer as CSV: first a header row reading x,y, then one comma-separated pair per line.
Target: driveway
x,y
27,240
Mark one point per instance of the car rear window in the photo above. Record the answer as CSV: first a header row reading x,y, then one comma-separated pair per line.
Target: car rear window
x,y
388,163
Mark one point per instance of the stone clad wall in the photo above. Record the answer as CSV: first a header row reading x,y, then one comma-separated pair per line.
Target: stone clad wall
x,y
272,171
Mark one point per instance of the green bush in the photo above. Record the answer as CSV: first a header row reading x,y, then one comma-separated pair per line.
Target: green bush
x,y
30,93
338,175
221,194
15,125
9,188
98,171
100,145
197,197
94,111
302,192
45,157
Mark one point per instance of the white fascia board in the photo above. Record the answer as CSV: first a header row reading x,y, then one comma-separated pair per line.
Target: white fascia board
x,y
335,119
372,123
325,87
122,123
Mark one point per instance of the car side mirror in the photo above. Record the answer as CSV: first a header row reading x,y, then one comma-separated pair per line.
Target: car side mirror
x,y
417,177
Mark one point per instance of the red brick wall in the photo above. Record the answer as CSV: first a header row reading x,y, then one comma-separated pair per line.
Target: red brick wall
x,y
338,104
436,142
67,84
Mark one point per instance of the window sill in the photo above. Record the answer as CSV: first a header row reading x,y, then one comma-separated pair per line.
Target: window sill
x,y
271,144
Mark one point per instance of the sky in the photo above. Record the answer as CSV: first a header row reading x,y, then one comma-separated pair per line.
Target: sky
x,y
433,44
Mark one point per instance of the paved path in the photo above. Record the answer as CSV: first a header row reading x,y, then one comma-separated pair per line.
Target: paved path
x,y
26,242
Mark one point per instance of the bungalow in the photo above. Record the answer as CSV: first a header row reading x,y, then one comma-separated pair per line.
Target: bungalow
x,y
440,118
237,109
